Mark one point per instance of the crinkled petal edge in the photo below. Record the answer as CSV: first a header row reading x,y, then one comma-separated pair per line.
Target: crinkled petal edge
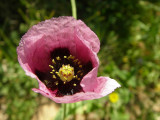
x,y
106,86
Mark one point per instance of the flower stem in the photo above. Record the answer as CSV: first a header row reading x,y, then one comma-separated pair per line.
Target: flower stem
x,y
74,112
84,111
64,111
74,10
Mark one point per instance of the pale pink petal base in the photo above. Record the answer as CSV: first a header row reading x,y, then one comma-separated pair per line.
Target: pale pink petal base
x,y
104,87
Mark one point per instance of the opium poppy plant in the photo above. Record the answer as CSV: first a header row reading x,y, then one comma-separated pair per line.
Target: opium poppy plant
x,y
61,53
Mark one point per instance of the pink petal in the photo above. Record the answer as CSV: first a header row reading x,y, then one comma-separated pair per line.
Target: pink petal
x,y
89,81
89,36
106,85
70,98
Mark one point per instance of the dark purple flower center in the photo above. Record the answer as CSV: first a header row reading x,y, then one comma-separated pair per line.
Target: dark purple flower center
x,y
66,73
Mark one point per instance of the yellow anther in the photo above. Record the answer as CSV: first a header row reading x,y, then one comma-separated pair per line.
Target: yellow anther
x,y
80,66
58,58
51,66
71,57
51,72
54,76
57,73
65,56
76,76
79,79
53,61
78,71
64,82
81,74
74,84
56,82
79,62
76,60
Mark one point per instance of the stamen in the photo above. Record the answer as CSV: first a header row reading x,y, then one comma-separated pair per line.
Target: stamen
x,y
58,73
65,56
58,58
81,74
71,57
54,76
74,84
79,71
51,66
75,76
51,72
79,79
53,61
79,63
56,82
80,66
76,60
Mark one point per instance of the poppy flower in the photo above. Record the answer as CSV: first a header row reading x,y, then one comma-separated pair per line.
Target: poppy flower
x,y
61,53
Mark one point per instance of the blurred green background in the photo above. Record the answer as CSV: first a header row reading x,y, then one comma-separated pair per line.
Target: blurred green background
x,y
129,31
